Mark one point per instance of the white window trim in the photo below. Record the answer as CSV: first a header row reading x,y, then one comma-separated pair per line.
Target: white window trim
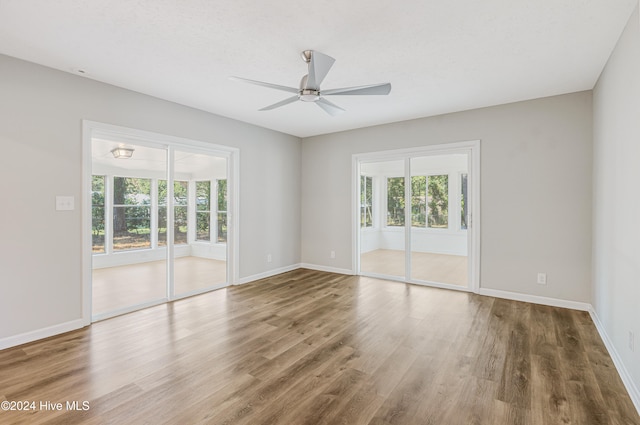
x,y
215,220
195,214
373,204
385,203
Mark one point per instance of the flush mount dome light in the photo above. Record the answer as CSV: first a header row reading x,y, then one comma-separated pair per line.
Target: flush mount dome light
x,y
122,153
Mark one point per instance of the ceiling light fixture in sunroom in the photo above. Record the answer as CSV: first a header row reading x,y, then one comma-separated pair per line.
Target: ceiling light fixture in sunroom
x,y
122,153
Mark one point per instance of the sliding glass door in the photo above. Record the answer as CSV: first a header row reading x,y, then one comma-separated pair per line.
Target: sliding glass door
x,y
129,264
382,219
200,222
413,218
439,246
159,224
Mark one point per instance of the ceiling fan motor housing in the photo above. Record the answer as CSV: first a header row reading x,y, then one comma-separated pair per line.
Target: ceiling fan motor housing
x,y
307,94
319,65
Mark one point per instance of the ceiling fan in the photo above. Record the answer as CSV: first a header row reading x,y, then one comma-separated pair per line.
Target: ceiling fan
x,y
309,91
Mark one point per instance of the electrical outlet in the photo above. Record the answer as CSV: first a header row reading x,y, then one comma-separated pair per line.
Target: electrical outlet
x,y
332,254
631,338
269,259
542,278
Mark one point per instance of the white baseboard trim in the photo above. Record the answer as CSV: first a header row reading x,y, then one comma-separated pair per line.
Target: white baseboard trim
x,y
535,299
631,387
31,336
266,274
326,269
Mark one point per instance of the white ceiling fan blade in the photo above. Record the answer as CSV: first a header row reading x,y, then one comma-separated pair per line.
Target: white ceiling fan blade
x,y
279,104
378,89
263,84
330,108
319,67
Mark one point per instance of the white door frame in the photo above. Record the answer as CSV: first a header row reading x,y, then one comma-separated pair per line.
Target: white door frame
x,y
472,149
91,129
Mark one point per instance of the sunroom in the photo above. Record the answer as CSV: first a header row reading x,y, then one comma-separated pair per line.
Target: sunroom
x,y
159,223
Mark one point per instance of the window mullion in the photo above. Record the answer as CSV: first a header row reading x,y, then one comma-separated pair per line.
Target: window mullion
x,y
154,213
170,223
407,218
109,211
191,212
212,231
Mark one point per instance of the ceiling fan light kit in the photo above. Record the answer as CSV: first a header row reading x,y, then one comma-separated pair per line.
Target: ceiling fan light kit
x,y
309,90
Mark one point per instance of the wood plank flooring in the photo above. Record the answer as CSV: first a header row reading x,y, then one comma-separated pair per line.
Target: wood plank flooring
x,y
310,347
124,286
425,266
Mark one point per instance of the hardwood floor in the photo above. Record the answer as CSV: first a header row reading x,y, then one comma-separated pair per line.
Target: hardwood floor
x,y
124,286
425,266
309,347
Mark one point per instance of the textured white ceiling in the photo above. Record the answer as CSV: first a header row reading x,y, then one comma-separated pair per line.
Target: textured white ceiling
x,y
155,159
439,55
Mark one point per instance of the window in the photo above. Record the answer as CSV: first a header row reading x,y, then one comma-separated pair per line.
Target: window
x,y
181,201
162,213
180,210
438,201
203,211
222,210
132,202
97,213
418,201
395,201
429,201
366,201
131,213
463,202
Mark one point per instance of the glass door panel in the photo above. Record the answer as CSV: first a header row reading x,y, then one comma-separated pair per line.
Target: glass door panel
x,y
382,218
200,222
439,251
128,269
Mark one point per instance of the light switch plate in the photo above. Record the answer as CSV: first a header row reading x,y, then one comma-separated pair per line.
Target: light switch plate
x,y
65,203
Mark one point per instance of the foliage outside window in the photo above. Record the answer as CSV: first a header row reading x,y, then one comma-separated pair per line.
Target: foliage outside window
x,y
430,201
222,210
181,201
180,211
418,201
131,213
162,213
438,201
463,201
97,213
131,205
203,211
366,201
395,201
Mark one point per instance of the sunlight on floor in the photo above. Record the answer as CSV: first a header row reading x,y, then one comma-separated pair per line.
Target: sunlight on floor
x,y
440,268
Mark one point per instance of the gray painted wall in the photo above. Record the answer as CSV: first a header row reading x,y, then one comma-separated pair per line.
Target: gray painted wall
x,y
536,159
295,195
41,113
616,256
